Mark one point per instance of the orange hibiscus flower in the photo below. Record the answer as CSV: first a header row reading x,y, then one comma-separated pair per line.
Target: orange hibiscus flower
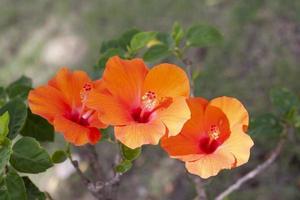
x,y
62,103
214,138
142,104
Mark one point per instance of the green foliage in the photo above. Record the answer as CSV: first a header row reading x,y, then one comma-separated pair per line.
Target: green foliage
x,y
203,36
285,102
29,157
5,152
4,122
156,52
109,53
18,112
19,88
130,154
38,128
124,166
267,125
177,33
120,43
33,193
141,39
59,156
12,187
3,96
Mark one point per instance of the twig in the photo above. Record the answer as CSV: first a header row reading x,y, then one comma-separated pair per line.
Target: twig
x,y
94,161
188,65
85,180
199,185
257,170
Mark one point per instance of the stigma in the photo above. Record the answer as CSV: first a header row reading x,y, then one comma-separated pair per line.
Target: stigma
x,y
149,101
214,132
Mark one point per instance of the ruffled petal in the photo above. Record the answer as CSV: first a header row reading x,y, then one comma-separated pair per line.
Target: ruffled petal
x,y
239,144
70,84
179,145
110,110
124,79
73,132
167,80
233,109
175,115
138,134
47,102
94,135
210,164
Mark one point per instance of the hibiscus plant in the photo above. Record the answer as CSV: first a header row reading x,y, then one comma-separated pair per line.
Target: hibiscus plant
x,y
142,93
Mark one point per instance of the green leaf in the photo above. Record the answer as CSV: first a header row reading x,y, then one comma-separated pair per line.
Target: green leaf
x,y
12,187
203,36
121,43
108,134
130,154
124,166
29,157
38,128
156,52
124,40
19,88
267,124
284,101
3,96
33,193
109,53
4,122
141,39
59,156
177,33
17,112
5,152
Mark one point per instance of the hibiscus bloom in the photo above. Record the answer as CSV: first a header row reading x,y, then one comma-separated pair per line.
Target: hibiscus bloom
x,y
62,103
214,138
142,104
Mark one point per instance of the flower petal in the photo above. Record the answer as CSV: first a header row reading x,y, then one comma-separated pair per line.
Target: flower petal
x,y
47,102
179,145
70,84
73,132
138,134
233,109
167,80
124,79
210,164
94,135
175,115
239,144
111,110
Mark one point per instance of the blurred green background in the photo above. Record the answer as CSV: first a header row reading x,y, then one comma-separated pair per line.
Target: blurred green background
x,y
261,50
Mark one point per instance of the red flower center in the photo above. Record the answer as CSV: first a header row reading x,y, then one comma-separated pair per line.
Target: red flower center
x,y
149,104
213,138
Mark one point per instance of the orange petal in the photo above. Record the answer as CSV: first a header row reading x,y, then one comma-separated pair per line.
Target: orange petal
x,y
167,80
47,102
111,111
239,144
215,116
179,145
95,122
73,132
124,79
233,109
210,164
194,127
94,135
175,115
138,134
70,84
